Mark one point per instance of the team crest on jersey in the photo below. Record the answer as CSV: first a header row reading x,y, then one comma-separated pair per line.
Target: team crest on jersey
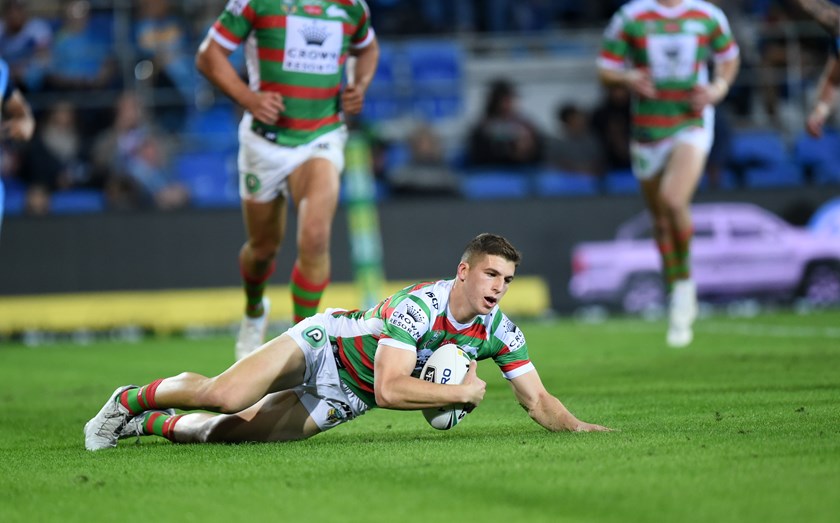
x,y
335,11
289,6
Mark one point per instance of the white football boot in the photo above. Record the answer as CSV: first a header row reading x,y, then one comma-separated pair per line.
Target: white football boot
x,y
101,432
135,426
252,332
683,312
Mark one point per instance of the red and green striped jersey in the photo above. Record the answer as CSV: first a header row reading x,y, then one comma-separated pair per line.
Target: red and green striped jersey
x,y
297,48
417,318
674,45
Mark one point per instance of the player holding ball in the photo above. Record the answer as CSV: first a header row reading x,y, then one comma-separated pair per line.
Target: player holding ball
x,y
335,366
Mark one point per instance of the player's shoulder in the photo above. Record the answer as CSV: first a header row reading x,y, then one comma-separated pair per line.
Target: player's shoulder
x,y
433,294
636,8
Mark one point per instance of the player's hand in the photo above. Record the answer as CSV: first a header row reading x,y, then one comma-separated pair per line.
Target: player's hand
x,y
590,427
266,106
641,83
352,100
474,387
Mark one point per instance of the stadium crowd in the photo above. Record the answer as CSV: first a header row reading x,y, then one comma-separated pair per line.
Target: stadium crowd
x,y
125,121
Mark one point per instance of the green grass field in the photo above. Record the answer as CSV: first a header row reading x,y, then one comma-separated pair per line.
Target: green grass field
x,y
743,426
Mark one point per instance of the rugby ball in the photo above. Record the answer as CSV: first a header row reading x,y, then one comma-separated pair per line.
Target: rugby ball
x,y
447,365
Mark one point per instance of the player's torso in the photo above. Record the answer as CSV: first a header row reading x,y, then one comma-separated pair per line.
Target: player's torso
x,y
298,48
674,46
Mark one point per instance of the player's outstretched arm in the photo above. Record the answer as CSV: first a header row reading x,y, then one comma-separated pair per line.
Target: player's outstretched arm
x,y
545,409
395,388
825,13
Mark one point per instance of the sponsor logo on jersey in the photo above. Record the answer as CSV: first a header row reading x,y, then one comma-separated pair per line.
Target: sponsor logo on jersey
x,y
516,342
314,34
671,27
314,10
312,46
434,299
416,313
406,323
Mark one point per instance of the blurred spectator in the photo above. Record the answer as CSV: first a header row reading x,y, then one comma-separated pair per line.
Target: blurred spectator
x,y
55,160
721,151
611,122
134,156
426,172
504,137
575,149
163,39
81,56
24,44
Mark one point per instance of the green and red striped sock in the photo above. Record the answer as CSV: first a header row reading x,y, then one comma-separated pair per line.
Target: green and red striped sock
x,y
306,296
254,289
161,424
682,250
669,262
140,399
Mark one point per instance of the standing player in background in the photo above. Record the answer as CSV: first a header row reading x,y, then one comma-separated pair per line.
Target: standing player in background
x,y
292,136
16,117
335,366
660,49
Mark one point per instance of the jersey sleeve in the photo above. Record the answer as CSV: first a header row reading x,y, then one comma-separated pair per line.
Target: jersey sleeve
x,y
615,44
512,353
363,35
405,323
234,24
722,41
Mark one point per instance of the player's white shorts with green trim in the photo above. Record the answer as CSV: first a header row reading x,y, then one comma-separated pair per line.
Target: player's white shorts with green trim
x,y
329,401
649,159
264,166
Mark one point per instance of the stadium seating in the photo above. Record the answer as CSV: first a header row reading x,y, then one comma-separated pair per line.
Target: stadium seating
x,y
436,74
77,201
210,177
751,148
621,182
557,183
818,158
14,200
782,174
485,185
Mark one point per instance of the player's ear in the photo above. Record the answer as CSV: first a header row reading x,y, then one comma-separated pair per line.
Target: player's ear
x,y
463,269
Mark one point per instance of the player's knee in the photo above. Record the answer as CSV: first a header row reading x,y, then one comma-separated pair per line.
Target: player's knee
x,y
672,202
223,398
265,250
314,240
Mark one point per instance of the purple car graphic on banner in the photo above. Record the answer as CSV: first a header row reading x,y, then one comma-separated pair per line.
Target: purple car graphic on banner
x,y
739,250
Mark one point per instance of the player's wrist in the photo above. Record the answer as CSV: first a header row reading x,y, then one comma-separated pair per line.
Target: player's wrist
x,y
721,88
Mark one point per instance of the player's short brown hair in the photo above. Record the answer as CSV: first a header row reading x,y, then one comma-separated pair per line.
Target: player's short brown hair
x,y
492,244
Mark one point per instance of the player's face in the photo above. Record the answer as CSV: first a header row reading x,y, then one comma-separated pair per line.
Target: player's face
x,y
486,282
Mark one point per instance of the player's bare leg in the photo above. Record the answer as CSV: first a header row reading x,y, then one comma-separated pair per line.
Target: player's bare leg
x,y
679,182
265,224
277,365
314,189
277,417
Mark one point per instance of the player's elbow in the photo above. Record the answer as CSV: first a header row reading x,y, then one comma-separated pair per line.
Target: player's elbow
x,y
385,397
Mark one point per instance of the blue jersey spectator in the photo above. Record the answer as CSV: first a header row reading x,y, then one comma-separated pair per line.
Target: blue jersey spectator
x,y
19,123
24,44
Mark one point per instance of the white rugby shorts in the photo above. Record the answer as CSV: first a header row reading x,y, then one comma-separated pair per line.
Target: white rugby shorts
x,y
264,166
329,401
649,159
